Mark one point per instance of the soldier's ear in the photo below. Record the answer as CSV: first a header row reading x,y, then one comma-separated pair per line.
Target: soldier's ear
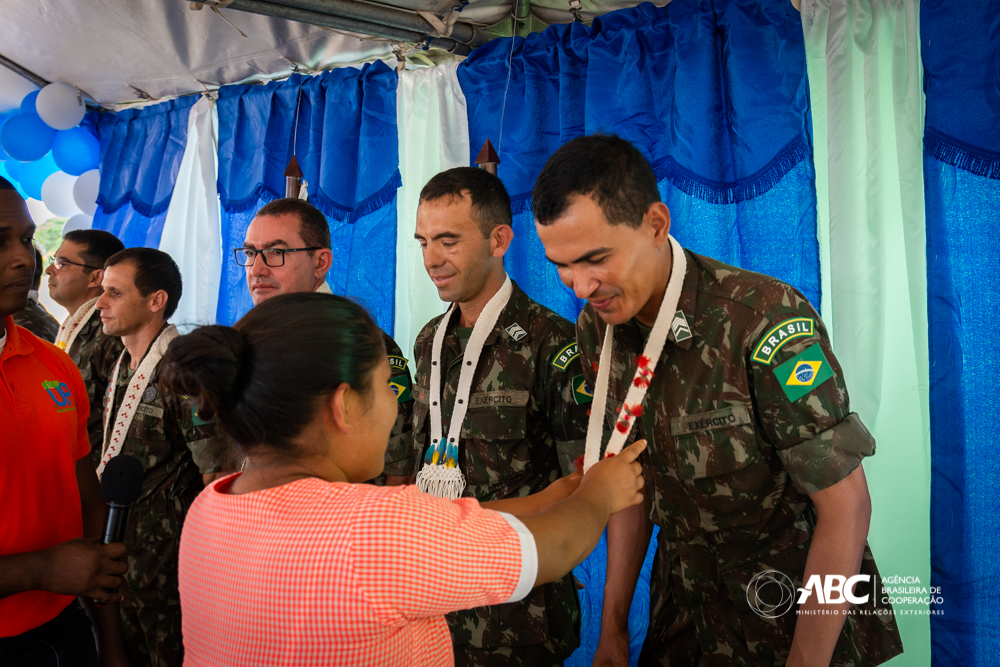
x,y
657,217
96,278
500,240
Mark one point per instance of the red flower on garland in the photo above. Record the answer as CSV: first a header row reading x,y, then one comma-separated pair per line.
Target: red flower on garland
x,y
594,364
642,361
579,463
622,427
641,382
634,410
608,455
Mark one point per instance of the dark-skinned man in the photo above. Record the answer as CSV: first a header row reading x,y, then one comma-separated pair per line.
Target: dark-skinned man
x,y
48,490
500,407
754,458
287,250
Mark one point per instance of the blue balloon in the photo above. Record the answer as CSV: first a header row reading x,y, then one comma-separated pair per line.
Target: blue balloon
x,y
5,172
3,154
28,103
26,137
76,150
33,174
13,168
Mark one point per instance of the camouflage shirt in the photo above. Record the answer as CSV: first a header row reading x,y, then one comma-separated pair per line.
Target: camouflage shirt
x,y
175,448
37,320
527,409
95,354
746,415
399,453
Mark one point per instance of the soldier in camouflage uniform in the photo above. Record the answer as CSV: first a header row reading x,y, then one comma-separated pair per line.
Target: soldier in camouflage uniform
x,y
292,238
527,404
753,453
34,317
75,276
180,453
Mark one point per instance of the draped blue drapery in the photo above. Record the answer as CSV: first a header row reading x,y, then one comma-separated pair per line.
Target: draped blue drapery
x,y
346,145
715,96
960,44
141,152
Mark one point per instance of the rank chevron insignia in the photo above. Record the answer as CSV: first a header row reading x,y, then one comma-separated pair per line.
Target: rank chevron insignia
x,y
516,332
680,327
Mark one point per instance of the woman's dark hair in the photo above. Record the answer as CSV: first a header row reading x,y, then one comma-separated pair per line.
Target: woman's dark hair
x,y
264,376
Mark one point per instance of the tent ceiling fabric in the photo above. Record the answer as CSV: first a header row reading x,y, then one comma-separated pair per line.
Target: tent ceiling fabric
x,y
165,49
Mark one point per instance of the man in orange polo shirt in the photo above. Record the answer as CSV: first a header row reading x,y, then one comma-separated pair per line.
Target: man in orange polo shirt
x,y
48,489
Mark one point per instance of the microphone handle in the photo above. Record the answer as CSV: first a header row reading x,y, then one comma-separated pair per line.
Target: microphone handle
x,y
114,526
114,529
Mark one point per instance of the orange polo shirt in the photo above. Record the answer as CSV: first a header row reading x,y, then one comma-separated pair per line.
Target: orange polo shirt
x,y
43,432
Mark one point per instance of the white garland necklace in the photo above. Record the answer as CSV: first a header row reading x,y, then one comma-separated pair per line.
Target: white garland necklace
x,y
645,364
441,475
70,328
115,437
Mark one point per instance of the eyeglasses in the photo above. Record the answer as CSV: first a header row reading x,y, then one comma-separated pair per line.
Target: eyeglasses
x,y
60,263
272,256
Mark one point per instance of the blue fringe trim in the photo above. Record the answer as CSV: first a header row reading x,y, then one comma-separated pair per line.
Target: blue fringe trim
x,y
261,193
788,158
715,192
140,207
950,150
383,197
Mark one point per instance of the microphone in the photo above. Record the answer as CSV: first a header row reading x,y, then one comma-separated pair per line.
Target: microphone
x,y
121,484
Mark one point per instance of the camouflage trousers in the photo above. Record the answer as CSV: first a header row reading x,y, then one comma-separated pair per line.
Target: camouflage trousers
x,y
534,655
152,634
699,616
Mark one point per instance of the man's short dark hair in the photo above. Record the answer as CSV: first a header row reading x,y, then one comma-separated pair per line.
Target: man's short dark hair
x,y
98,245
5,184
154,270
606,168
490,201
313,228
36,280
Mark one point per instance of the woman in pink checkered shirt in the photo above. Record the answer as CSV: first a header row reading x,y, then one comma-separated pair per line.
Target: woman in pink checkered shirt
x,y
294,561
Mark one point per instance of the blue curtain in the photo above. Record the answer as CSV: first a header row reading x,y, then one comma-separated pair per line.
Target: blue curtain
x,y
713,93
347,148
960,44
715,96
141,152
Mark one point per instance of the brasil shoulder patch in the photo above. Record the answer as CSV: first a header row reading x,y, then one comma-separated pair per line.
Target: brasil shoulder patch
x,y
397,363
401,387
804,372
778,336
566,356
582,393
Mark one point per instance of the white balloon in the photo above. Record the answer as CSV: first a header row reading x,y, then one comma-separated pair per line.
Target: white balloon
x,y
78,221
57,194
60,105
85,191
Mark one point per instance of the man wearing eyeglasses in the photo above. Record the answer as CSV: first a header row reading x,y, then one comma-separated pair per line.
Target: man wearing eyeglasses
x,y
287,249
75,275
34,317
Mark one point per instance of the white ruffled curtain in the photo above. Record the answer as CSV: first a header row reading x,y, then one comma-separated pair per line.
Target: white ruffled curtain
x,y
433,137
867,104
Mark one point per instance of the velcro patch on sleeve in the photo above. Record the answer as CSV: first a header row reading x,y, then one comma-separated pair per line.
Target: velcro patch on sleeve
x,y
780,335
397,363
804,372
582,393
566,356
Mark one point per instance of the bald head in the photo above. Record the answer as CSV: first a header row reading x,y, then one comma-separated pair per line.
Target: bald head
x,y
17,254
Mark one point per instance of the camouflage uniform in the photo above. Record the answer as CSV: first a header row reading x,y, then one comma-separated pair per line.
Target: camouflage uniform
x,y
37,320
399,453
176,448
524,417
95,354
746,415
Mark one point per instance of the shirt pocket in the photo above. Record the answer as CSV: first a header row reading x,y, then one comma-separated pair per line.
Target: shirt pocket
x,y
494,439
714,443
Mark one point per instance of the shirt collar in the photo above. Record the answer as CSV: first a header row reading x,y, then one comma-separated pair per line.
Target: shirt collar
x,y
16,345
516,306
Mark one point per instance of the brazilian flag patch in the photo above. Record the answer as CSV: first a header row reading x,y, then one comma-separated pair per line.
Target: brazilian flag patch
x,y
566,356
401,387
582,393
804,372
198,421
